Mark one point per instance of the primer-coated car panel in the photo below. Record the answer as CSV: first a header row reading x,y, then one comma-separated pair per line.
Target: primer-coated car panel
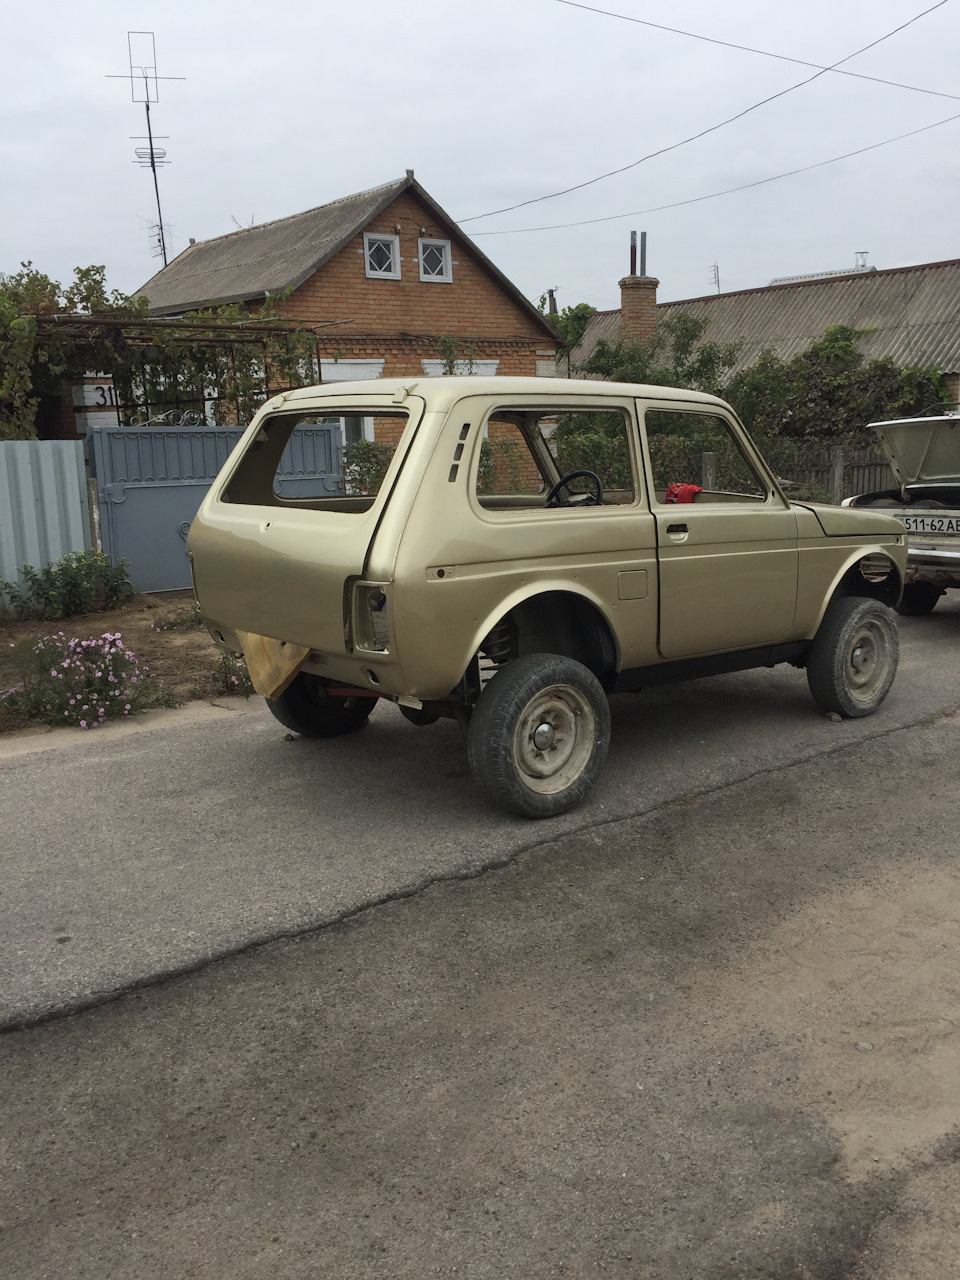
x,y
426,585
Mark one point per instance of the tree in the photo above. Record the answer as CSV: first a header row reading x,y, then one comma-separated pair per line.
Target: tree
x,y
676,356
570,322
829,391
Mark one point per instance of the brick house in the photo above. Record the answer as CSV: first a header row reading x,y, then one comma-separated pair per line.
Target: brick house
x,y
385,275
911,314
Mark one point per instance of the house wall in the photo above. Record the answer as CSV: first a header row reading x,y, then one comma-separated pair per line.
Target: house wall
x,y
401,321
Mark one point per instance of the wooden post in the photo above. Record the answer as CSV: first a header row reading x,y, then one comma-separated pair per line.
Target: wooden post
x,y
708,471
836,477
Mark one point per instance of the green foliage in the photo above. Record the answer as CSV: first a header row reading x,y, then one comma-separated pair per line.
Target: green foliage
x,y
235,366
455,354
676,356
365,463
220,364
35,357
570,322
594,442
231,676
500,467
82,682
829,391
79,583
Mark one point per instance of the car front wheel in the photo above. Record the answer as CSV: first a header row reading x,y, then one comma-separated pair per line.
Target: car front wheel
x,y
307,708
539,735
854,655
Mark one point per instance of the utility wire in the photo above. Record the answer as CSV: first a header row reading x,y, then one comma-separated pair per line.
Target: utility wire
x,y
714,195
704,132
745,48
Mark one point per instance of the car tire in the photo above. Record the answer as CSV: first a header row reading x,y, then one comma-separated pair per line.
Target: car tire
x,y
853,659
918,598
307,708
539,735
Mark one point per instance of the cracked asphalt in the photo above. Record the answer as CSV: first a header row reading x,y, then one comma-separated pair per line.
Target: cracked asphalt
x,y
704,1026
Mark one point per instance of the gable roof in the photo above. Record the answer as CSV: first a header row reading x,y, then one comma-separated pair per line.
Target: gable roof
x,y
912,315
246,265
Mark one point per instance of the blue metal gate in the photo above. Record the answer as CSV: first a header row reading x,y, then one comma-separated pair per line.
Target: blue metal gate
x,y
151,481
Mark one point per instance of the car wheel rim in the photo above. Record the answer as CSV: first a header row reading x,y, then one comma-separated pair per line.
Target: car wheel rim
x,y
554,739
866,661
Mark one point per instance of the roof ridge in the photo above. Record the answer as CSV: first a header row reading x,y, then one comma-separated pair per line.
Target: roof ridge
x,y
816,281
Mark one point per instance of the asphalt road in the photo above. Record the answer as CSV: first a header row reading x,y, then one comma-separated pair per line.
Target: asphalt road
x,y
130,856
707,1027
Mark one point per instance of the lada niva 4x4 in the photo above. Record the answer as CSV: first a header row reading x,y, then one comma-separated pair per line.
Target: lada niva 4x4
x,y
510,551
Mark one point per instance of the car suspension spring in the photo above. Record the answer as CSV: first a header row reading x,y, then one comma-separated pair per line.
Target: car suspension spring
x,y
497,647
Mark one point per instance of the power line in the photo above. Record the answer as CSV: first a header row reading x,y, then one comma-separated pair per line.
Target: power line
x,y
613,217
746,48
711,129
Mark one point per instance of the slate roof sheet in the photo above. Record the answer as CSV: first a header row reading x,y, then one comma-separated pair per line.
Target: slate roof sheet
x,y
913,313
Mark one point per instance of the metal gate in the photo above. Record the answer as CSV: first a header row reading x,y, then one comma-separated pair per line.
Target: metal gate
x,y
151,481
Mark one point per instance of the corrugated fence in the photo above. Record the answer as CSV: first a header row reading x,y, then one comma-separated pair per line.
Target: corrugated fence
x,y
43,503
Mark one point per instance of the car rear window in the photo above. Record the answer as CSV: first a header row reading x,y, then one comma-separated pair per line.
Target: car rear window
x,y
318,461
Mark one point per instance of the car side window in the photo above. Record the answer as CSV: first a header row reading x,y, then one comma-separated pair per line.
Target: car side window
x,y
525,454
695,457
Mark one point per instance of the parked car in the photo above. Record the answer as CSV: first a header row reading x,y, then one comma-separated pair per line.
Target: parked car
x,y
510,551
924,454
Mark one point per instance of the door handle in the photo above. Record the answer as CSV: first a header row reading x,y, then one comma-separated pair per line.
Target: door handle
x,y
677,528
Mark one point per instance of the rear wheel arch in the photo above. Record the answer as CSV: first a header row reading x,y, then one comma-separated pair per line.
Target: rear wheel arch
x,y
558,622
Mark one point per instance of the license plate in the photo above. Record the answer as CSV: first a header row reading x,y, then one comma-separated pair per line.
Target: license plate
x,y
944,526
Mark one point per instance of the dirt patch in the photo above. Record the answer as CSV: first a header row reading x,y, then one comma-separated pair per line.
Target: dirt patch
x,y
161,629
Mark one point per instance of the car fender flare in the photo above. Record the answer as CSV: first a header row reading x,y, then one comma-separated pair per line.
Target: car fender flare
x,y
849,580
527,594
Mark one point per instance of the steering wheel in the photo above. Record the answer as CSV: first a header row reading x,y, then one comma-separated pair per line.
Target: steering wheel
x,y
594,499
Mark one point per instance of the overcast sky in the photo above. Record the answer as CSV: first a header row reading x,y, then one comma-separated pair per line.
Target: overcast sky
x,y
492,102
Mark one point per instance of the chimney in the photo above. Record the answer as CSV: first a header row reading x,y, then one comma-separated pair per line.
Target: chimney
x,y
638,297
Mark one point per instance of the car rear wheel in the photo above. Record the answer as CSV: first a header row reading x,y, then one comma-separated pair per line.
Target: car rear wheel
x,y
918,598
307,708
539,735
854,656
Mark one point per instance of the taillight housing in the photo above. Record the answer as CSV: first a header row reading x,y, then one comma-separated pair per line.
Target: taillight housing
x,y
371,616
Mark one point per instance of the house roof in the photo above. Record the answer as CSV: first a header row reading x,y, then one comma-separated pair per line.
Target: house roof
x,y
912,314
246,265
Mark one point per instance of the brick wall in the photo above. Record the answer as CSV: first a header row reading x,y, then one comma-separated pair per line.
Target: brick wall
x,y
401,321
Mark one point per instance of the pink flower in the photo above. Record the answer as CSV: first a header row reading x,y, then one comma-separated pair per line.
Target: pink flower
x,y
83,724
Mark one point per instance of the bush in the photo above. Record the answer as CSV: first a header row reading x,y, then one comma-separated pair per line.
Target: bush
x,y
231,676
82,682
79,583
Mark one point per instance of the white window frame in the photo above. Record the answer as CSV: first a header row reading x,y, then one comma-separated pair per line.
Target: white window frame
x,y
382,237
432,242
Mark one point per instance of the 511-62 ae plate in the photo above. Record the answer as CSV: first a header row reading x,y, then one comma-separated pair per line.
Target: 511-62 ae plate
x,y
942,526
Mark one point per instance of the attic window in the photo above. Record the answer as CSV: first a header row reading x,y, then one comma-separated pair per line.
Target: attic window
x,y
381,254
435,261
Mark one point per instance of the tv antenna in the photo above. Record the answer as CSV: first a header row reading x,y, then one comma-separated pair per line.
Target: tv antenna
x,y
144,87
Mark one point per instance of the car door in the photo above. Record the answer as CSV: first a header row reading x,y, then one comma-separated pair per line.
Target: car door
x,y
726,540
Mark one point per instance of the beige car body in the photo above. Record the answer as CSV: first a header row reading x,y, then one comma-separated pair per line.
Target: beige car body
x,y
745,583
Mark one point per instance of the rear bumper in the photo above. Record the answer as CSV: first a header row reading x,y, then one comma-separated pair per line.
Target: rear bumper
x,y
941,566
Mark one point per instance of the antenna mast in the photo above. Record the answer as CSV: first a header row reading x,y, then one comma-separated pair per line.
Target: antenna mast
x,y
144,87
